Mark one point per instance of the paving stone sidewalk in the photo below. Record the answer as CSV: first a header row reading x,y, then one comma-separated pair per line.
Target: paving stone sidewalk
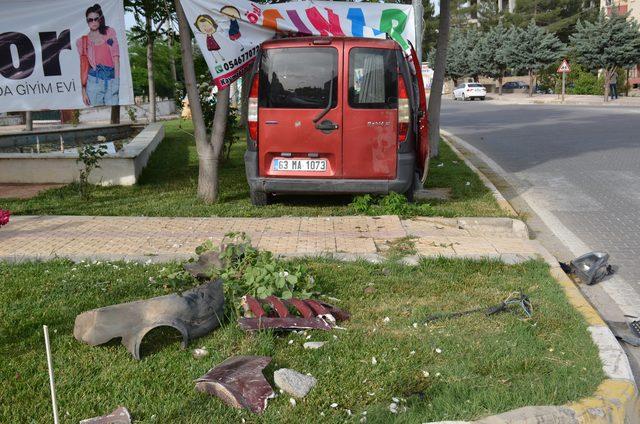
x,y
161,239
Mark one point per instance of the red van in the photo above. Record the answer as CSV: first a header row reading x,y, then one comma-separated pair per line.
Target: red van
x,y
335,115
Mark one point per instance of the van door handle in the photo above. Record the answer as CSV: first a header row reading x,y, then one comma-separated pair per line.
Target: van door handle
x,y
327,126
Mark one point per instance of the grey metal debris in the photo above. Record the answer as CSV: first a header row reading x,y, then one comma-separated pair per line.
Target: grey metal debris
x,y
193,313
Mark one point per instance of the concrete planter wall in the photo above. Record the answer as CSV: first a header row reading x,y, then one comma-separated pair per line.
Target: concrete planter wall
x,y
123,168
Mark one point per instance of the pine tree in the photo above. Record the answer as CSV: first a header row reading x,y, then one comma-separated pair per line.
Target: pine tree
x,y
457,56
490,55
532,48
608,43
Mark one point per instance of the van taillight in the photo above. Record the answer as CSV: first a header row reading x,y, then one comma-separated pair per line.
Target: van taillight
x,y
403,110
252,109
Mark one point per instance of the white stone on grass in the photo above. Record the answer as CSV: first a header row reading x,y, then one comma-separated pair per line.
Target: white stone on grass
x,y
293,382
313,345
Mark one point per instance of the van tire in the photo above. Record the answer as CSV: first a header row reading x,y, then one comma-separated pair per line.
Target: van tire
x,y
259,198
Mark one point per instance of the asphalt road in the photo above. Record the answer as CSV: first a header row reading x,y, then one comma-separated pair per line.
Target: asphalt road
x,y
579,167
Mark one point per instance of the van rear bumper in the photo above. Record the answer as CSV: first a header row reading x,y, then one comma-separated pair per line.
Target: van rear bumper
x,y
405,175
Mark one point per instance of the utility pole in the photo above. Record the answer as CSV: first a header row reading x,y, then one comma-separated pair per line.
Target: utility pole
x,y
418,11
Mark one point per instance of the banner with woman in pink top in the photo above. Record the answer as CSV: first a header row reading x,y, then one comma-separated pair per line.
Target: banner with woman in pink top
x,y
70,56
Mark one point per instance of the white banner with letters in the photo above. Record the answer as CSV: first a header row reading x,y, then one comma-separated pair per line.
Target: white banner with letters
x,y
229,32
63,54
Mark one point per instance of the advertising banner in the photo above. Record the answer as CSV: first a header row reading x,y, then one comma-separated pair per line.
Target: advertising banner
x,y
63,54
230,32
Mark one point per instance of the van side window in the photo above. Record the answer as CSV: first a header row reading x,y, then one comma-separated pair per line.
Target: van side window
x,y
373,81
298,78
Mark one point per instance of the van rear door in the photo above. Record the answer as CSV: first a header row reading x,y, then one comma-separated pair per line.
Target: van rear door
x,y
300,112
371,111
422,142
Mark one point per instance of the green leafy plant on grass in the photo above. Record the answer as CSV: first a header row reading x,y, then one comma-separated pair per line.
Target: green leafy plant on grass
x,y
90,157
391,204
247,270
131,111
208,104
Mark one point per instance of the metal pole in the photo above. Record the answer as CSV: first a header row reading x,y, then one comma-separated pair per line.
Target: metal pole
x,y
564,79
51,381
418,12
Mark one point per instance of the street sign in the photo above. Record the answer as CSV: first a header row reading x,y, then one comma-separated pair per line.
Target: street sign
x,y
564,67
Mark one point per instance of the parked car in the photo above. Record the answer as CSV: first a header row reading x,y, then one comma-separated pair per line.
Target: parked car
x,y
335,115
470,91
515,85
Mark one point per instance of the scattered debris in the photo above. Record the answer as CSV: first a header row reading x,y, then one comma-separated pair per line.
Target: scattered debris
x,y
193,313
292,401
625,332
293,382
119,416
334,405
200,353
369,290
239,383
315,314
438,350
313,345
514,299
206,263
590,268
374,361
386,320
393,408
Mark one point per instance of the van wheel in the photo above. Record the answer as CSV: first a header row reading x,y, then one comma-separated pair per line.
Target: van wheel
x,y
259,198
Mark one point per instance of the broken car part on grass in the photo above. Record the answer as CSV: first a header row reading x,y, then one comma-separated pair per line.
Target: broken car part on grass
x,y
239,382
590,268
119,416
315,315
517,299
193,313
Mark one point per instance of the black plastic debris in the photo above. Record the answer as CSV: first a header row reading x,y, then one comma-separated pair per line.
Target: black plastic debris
x,y
515,300
592,267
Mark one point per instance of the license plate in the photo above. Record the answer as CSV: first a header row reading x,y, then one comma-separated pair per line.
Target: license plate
x,y
304,165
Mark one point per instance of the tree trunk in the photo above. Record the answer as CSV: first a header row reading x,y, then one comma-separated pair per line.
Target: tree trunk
x,y
152,86
205,150
607,81
217,138
244,106
435,98
530,83
172,59
500,85
115,115
28,121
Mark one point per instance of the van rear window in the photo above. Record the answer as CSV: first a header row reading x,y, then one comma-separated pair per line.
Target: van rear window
x,y
298,78
373,82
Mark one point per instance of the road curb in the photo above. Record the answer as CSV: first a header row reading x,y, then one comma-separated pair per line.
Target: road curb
x,y
502,202
616,400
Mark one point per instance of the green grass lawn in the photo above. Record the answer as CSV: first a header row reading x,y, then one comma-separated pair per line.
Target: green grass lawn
x,y
485,365
167,187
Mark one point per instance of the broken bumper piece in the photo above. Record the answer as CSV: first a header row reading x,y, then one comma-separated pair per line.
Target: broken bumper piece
x,y
315,315
194,313
239,383
119,416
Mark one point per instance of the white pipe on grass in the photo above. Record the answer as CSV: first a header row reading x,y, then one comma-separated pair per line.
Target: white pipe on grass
x,y
51,381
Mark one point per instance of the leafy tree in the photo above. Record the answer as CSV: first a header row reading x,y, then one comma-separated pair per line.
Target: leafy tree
x,y
430,30
150,17
457,65
531,49
491,56
163,78
609,43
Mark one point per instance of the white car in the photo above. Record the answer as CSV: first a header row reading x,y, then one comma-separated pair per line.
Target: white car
x,y
469,90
